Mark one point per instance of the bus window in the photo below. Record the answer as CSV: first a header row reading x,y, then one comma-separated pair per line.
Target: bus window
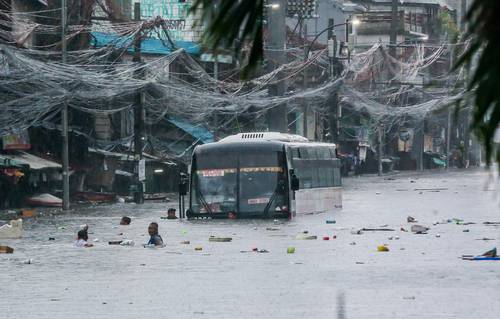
x,y
263,182
305,175
323,176
304,153
329,176
323,153
332,152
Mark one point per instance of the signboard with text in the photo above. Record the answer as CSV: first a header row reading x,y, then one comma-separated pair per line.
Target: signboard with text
x,y
20,141
178,16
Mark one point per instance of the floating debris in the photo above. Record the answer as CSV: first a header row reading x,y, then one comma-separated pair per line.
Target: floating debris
x,y
417,229
382,248
411,219
290,250
220,239
377,229
198,248
127,242
491,253
273,228
185,242
6,250
306,237
115,242
330,221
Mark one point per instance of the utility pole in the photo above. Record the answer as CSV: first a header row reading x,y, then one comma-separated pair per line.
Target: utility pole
x,y
380,132
448,139
304,85
393,35
333,116
138,112
216,114
276,24
64,114
422,147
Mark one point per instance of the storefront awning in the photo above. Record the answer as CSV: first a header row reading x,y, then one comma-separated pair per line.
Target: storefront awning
x,y
34,162
9,163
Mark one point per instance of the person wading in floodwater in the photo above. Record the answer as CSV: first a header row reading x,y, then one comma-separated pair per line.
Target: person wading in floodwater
x,y
155,237
171,213
81,240
125,220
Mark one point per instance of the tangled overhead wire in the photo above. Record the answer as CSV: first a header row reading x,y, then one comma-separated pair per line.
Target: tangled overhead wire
x,y
102,81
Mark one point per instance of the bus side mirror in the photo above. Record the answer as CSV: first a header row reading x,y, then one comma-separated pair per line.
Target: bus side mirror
x,y
183,185
295,182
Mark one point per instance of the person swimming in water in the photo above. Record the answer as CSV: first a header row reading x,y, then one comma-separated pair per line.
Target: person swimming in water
x,y
82,239
125,220
155,238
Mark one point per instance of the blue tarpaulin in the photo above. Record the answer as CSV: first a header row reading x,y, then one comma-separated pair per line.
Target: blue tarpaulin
x,y
198,132
148,45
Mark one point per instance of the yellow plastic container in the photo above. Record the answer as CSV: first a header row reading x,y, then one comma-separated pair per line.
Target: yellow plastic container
x,y
382,248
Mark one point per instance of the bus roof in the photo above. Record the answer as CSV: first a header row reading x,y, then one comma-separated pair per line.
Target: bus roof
x,y
260,140
264,136
283,138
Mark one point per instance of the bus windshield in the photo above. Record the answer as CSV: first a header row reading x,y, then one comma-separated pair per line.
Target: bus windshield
x,y
243,182
262,183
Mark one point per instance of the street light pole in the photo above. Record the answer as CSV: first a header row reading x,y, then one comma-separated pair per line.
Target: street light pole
x,y
138,114
64,115
276,56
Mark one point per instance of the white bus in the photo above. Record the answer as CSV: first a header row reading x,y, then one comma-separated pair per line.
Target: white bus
x,y
264,175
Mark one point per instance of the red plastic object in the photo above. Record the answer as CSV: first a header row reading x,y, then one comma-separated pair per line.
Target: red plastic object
x,y
334,236
326,238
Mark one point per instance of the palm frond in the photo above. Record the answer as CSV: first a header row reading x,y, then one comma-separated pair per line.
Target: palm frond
x,y
485,82
233,24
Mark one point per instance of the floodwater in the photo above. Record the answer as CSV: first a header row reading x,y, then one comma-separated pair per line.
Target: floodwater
x,y
421,276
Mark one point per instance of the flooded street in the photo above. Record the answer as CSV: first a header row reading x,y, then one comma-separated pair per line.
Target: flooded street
x,y
422,276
